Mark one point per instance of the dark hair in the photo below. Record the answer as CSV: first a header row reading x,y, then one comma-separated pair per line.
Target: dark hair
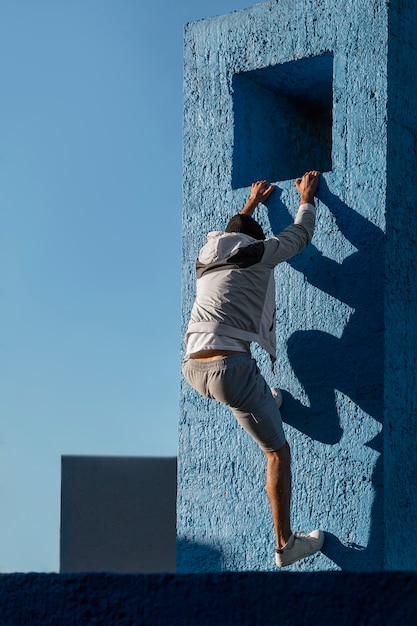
x,y
242,223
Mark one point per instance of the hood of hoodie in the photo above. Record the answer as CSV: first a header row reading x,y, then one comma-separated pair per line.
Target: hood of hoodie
x,y
220,245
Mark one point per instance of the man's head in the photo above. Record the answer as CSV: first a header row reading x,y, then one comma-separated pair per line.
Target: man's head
x,y
242,223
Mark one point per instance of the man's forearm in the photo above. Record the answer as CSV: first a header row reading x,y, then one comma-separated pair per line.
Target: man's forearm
x,y
249,207
307,198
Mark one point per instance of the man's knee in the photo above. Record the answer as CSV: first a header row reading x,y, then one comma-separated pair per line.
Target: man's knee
x,y
282,455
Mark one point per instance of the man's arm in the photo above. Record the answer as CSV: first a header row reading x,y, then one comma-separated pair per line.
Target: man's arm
x,y
295,237
260,192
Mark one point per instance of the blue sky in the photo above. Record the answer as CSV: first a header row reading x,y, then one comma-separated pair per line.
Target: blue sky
x,y
90,246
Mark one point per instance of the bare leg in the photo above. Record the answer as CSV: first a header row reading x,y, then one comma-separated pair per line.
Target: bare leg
x,y
278,488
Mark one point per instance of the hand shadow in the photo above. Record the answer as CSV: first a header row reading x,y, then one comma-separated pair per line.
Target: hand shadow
x,y
323,363
351,363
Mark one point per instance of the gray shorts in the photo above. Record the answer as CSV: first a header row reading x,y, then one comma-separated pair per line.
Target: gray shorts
x,y
236,382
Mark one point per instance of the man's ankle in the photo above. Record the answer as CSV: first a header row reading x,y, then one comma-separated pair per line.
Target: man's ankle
x,y
285,542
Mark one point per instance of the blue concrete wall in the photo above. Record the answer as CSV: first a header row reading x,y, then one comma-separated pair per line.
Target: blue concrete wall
x,y
331,358
400,447
226,599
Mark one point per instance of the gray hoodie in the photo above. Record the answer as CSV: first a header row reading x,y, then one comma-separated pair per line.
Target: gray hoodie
x,y
235,293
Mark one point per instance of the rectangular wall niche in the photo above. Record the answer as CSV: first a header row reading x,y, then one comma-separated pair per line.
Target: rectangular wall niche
x,y
283,120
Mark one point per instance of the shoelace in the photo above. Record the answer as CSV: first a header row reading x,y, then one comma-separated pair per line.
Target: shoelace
x,y
301,534
298,534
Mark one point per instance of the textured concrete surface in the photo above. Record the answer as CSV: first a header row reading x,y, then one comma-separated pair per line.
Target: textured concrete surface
x,y
334,358
400,447
118,514
226,599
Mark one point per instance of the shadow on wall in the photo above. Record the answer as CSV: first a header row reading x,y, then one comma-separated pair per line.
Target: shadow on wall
x,y
202,558
351,364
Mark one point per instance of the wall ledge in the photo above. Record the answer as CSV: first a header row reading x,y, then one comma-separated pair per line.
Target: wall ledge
x,y
226,598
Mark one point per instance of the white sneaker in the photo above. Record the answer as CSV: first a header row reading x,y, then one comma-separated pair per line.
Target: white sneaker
x,y
299,546
277,395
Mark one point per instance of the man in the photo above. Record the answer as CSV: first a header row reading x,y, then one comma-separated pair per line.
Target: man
x,y
235,305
